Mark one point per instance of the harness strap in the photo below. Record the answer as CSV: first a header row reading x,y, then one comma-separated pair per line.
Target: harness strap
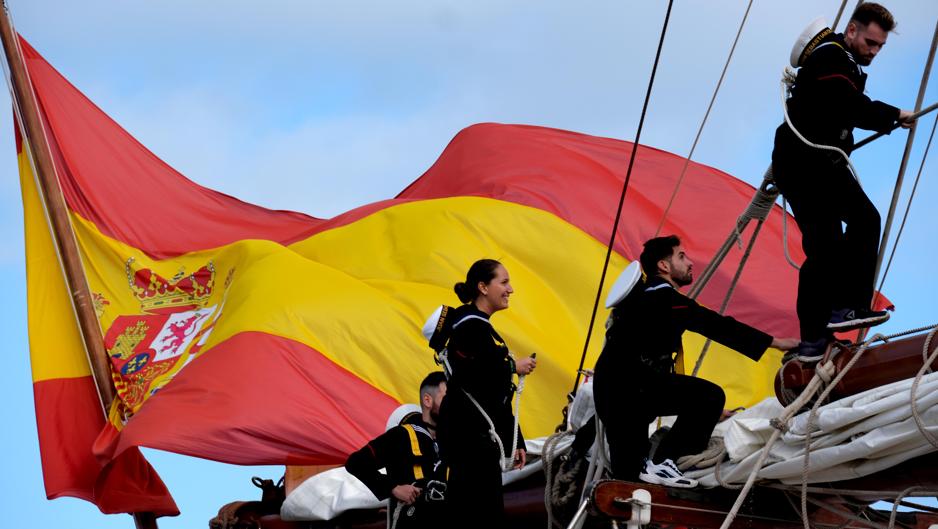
x,y
470,317
412,434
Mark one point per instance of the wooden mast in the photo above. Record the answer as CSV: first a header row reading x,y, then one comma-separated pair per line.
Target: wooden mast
x,y
27,109
24,99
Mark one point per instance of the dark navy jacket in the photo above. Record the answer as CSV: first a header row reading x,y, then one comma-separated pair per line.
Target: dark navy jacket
x,y
648,325
828,99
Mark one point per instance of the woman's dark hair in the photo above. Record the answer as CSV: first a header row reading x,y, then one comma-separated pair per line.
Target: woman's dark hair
x,y
482,270
655,250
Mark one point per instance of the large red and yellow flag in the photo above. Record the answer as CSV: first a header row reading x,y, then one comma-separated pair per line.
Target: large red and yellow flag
x,y
251,336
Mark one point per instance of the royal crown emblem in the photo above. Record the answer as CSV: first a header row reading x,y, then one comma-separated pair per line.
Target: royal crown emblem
x,y
156,293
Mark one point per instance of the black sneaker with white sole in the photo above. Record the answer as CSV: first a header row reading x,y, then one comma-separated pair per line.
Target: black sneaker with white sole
x,y
807,352
667,474
849,319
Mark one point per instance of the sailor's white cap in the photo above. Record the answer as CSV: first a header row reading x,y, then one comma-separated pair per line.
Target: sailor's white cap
x,y
806,42
624,284
402,412
430,325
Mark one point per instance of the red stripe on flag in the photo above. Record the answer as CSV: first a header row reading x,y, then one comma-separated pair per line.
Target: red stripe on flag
x,y
129,194
108,177
69,419
297,407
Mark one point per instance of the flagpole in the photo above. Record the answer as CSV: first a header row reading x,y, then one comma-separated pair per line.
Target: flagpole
x,y
24,99
27,108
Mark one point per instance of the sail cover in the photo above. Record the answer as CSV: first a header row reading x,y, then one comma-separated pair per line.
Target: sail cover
x,y
251,336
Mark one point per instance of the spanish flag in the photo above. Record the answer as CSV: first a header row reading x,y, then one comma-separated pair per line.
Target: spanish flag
x,y
250,336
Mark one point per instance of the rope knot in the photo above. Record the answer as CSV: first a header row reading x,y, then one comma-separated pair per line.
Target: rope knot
x,y
789,75
778,424
826,371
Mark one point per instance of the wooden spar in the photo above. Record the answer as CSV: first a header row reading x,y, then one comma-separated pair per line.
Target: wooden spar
x,y
24,101
27,109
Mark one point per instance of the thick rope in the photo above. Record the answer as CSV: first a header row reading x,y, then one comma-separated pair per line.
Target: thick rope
x,y
730,290
549,454
703,122
813,416
719,476
785,235
903,494
925,349
757,209
625,188
779,423
914,390
714,453
788,79
823,375
392,521
505,462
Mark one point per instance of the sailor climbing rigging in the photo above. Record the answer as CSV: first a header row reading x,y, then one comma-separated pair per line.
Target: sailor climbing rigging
x,y
634,380
835,288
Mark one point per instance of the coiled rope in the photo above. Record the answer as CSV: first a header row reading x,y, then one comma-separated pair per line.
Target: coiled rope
x,y
552,494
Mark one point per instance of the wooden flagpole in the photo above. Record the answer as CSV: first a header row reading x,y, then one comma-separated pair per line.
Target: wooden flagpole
x,y
27,108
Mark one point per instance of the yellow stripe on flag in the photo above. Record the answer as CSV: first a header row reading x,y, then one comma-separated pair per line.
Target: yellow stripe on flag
x,y
359,294
55,344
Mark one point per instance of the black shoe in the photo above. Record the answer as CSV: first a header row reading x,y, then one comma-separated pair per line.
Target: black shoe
x,y
807,352
849,319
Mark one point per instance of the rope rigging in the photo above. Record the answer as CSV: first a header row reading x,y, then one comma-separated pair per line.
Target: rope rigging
x,y
826,377
765,197
926,73
908,208
703,122
840,12
625,188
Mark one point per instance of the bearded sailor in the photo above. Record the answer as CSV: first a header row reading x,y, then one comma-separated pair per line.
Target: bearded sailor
x,y
635,382
811,167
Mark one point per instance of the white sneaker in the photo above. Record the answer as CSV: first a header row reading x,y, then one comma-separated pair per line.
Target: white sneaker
x,y
667,474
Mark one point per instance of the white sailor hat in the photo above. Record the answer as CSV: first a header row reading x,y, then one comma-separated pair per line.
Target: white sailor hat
x,y
404,411
431,323
624,284
808,40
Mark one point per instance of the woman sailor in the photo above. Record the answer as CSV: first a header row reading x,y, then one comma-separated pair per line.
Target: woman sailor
x,y
475,416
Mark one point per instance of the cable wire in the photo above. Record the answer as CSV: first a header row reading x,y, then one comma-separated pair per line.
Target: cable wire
x,y
625,188
703,122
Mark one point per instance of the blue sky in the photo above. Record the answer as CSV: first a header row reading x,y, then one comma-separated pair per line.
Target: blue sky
x,y
323,106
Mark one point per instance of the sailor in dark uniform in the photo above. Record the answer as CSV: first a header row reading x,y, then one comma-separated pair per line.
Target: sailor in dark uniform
x,y
482,369
415,482
835,289
634,379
